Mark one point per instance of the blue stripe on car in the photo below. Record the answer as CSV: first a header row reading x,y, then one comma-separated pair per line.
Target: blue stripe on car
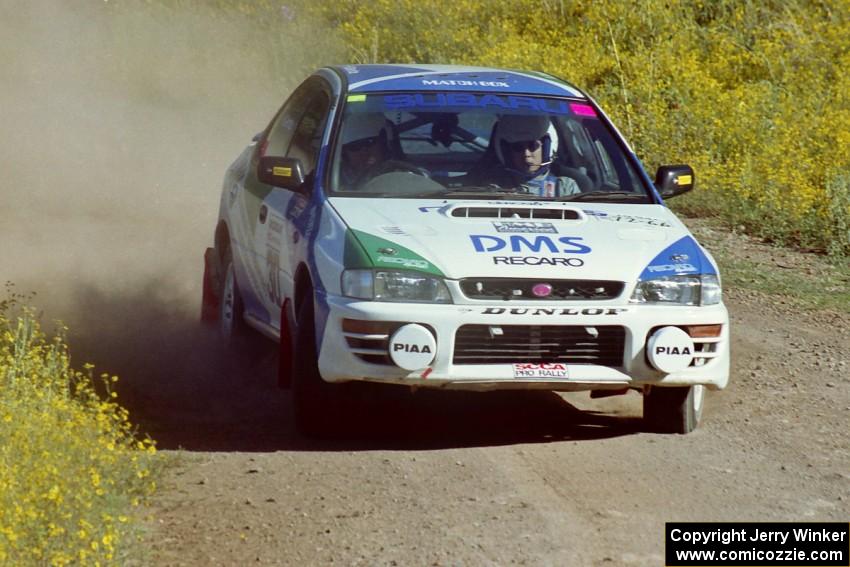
x,y
683,257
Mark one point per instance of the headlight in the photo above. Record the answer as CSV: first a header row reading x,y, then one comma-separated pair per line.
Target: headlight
x,y
384,285
679,290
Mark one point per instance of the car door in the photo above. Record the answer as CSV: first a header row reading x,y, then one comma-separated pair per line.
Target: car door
x,y
296,132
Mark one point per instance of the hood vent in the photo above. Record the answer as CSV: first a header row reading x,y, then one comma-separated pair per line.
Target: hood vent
x,y
516,213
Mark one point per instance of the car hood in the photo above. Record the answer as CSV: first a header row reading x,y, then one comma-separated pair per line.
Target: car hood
x,y
519,239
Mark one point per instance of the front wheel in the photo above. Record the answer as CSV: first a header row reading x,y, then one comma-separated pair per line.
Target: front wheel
x,y
315,402
673,410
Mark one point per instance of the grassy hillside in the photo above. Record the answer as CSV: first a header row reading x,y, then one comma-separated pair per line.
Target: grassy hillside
x,y
752,94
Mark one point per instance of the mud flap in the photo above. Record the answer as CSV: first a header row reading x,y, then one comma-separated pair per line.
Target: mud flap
x,y
211,285
595,394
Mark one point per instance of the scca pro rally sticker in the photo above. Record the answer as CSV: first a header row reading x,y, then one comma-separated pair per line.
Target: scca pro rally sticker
x,y
541,370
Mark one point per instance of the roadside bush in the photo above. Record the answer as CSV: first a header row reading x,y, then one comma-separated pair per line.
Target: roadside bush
x,y
71,469
752,94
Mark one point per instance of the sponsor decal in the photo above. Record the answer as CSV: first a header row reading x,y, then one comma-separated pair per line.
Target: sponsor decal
x,y
455,83
426,209
411,348
276,225
364,250
516,243
677,268
273,247
682,257
582,109
554,311
406,262
521,203
525,226
272,279
542,370
685,350
538,261
632,219
467,100
532,245
356,98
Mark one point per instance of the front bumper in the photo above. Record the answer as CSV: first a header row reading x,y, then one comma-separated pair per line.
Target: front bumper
x,y
341,360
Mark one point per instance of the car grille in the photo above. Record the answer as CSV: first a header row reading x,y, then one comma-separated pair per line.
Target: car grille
x,y
511,288
514,344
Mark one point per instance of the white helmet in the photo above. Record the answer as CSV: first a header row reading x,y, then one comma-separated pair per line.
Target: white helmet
x,y
514,128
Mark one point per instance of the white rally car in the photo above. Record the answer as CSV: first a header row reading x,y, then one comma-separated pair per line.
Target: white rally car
x,y
464,228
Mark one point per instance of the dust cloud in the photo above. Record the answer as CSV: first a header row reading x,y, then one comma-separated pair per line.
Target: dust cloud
x,y
117,122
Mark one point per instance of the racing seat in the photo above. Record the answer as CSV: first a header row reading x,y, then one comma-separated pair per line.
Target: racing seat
x,y
485,164
394,150
582,179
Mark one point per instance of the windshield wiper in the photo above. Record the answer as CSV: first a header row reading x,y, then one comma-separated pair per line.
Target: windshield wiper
x,y
606,196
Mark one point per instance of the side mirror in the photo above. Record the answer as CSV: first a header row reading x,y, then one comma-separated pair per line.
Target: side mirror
x,y
673,180
287,173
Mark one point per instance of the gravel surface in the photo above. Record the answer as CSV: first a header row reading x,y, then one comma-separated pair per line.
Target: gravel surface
x,y
506,478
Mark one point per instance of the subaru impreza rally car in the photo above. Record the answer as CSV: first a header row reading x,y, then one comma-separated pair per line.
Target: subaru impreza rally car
x,y
463,228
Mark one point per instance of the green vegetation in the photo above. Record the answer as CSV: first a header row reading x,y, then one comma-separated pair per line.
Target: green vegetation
x,y
808,281
819,286
753,95
72,472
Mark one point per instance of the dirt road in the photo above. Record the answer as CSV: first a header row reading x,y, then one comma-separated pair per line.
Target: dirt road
x,y
506,478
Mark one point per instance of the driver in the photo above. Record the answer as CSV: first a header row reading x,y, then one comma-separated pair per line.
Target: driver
x,y
526,146
365,145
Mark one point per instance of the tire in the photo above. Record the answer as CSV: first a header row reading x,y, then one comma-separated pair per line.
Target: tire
x,y
673,410
231,323
315,402
285,347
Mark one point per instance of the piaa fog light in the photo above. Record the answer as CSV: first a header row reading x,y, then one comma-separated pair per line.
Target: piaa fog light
x,y
412,347
670,349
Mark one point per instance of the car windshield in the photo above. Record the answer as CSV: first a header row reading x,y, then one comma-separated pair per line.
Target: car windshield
x,y
472,145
